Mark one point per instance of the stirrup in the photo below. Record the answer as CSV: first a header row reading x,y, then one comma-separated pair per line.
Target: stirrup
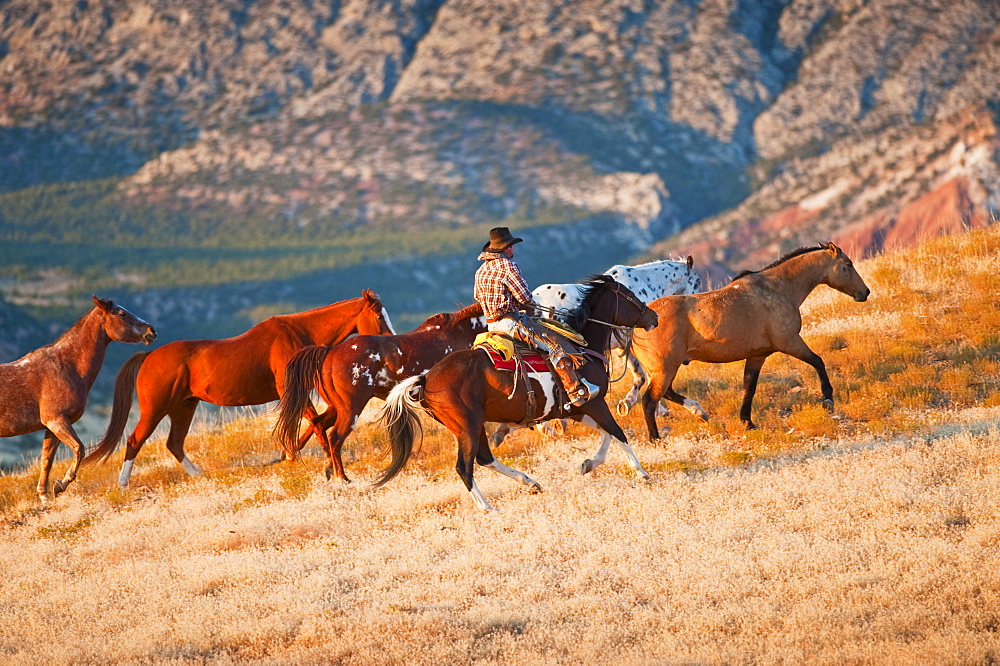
x,y
584,393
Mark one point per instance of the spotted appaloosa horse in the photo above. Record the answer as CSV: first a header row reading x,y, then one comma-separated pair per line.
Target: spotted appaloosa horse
x,y
648,281
248,369
464,391
47,388
754,316
350,374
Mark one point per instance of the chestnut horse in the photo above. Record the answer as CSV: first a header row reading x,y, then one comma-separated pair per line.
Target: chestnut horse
x,y
248,369
350,374
47,388
754,316
464,391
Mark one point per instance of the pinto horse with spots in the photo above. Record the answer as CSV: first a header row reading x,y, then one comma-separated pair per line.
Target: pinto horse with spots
x,y
248,369
754,316
464,391
350,374
48,388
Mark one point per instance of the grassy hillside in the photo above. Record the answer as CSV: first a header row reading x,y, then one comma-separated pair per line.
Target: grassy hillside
x,y
866,536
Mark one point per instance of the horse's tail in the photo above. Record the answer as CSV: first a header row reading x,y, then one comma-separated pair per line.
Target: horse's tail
x,y
303,372
401,417
122,405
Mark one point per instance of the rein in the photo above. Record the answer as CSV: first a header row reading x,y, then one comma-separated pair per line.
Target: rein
x,y
626,331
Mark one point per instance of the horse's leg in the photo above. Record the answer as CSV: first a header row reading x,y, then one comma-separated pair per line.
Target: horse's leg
x,y
687,403
345,418
148,420
485,458
602,420
626,404
63,429
467,428
751,373
49,445
500,434
797,348
180,422
311,415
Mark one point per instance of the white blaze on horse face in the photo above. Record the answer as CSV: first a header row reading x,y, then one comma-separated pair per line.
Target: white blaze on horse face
x,y
388,322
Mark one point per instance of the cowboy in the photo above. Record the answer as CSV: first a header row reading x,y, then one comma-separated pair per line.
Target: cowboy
x,y
502,292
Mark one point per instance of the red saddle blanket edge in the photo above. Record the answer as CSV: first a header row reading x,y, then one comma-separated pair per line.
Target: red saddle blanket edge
x,y
534,362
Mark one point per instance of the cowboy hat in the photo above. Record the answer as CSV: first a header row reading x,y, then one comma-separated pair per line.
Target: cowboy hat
x,y
500,240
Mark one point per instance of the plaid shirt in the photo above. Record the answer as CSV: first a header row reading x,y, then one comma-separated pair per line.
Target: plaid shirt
x,y
500,288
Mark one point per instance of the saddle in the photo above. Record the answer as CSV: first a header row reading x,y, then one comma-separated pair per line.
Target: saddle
x,y
504,352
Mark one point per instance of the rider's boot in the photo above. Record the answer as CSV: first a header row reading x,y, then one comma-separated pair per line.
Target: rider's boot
x,y
577,388
563,364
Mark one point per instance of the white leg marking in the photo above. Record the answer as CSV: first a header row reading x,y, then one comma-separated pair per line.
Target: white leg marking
x,y
517,475
602,451
477,497
189,467
694,407
126,474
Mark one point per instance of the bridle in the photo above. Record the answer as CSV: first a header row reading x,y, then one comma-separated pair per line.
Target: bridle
x,y
626,331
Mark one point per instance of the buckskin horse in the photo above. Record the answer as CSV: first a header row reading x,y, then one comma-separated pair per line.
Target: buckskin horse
x,y
464,391
754,316
47,388
248,369
349,375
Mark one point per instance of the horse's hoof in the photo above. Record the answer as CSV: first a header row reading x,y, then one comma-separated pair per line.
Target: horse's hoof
x,y
827,404
44,498
534,488
58,487
751,425
623,408
586,467
642,475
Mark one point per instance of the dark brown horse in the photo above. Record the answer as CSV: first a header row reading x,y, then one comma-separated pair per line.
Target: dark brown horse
x,y
350,374
248,369
464,391
754,316
47,389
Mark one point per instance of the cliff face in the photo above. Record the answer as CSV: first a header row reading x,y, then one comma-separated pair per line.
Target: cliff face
x,y
868,122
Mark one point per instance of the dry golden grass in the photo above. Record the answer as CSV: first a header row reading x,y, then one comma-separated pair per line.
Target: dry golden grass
x,y
867,536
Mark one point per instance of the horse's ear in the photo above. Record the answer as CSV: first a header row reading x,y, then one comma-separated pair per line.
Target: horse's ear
x,y
369,295
690,261
103,303
834,250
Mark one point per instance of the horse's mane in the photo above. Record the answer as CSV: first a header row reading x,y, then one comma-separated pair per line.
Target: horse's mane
x,y
466,313
449,319
791,255
592,285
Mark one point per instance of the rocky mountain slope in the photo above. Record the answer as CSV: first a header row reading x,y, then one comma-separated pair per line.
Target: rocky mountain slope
x,y
748,126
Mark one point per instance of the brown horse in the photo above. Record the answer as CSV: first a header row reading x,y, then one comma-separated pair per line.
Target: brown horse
x,y
464,391
350,374
248,369
754,316
47,389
